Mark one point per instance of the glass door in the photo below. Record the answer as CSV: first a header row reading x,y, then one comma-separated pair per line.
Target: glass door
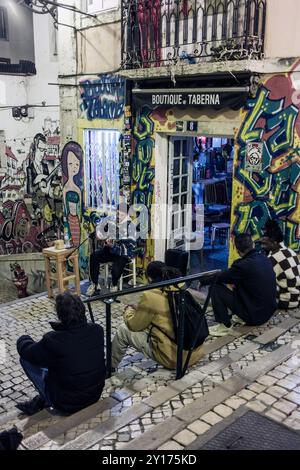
x,y
179,224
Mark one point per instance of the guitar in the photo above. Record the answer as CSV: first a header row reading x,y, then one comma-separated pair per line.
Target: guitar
x,y
44,183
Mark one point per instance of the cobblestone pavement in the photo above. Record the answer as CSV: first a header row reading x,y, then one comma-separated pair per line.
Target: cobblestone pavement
x,y
276,395
8,292
144,395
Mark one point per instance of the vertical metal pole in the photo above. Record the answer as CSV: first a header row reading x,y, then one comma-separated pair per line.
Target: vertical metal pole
x,y
180,336
91,312
108,336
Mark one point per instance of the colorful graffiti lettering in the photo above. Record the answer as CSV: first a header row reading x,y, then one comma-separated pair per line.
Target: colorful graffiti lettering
x,y
103,98
18,232
72,168
273,192
143,172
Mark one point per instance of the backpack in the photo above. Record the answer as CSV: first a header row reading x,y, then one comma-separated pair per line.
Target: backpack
x,y
194,319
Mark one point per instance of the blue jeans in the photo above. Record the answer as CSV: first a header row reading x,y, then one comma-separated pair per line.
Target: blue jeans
x,y
37,376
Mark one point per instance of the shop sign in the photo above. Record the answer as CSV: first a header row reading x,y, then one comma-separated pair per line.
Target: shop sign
x,y
254,157
168,99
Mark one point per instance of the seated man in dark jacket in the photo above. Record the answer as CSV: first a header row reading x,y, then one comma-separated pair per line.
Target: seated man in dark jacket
x,y
252,293
119,249
67,365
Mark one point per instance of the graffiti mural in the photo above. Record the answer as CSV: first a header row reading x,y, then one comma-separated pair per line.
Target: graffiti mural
x,y
271,118
18,231
30,191
103,98
72,169
143,171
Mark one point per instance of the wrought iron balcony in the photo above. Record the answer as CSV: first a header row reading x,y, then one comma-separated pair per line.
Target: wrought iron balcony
x,y
164,32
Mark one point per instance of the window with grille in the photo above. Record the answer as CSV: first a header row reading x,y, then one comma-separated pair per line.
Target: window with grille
x,y
102,168
94,6
3,24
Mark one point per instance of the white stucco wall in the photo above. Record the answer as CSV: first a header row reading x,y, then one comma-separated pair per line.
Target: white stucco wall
x,y
67,73
20,43
282,29
33,90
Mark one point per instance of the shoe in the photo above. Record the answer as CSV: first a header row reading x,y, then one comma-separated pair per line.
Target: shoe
x,y
114,289
236,319
31,407
220,330
93,290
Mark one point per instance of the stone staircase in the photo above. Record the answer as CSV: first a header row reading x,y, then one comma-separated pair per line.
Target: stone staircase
x,y
150,411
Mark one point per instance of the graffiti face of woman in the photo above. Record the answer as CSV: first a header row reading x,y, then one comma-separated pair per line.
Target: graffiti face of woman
x,y
73,165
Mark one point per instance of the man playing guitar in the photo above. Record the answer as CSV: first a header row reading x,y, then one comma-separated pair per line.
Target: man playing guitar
x,y
118,249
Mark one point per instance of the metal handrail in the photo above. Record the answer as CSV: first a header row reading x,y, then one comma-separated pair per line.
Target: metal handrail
x,y
110,298
157,33
155,285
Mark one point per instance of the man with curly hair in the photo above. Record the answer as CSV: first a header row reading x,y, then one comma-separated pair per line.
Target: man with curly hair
x,y
67,365
286,265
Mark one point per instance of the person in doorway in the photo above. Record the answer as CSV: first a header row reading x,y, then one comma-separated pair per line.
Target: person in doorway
x,y
67,365
286,265
251,297
148,327
220,163
119,250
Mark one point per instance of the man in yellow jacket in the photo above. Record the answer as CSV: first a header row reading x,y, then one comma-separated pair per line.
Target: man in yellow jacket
x,y
148,327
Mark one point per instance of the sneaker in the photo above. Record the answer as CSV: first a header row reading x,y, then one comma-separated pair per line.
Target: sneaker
x,y
220,330
236,319
31,407
114,289
93,290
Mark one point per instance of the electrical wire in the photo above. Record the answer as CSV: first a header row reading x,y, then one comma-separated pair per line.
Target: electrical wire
x,y
30,106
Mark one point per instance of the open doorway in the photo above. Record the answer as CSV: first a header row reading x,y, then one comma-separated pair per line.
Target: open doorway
x,y
200,173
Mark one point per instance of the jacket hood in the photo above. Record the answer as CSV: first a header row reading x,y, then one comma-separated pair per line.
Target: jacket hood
x,y
59,326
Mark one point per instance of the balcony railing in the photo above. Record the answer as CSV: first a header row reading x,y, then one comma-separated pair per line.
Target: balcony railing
x,y
164,32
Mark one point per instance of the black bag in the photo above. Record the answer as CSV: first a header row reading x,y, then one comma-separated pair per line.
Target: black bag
x,y
177,259
194,319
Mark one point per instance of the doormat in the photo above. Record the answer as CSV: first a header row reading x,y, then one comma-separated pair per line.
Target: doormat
x,y
251,431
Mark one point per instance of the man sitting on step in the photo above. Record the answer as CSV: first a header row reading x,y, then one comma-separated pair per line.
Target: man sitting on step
x,y
67,365
286,265
252,295
148,327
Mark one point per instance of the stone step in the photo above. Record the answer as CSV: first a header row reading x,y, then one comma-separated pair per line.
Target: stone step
x,y
125,393
64,424
37,427
160,434
163,395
